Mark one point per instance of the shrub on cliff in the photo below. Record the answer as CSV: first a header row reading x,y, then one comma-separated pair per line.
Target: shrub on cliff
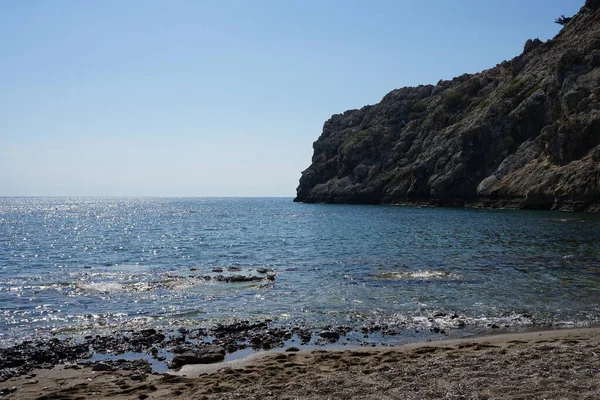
x,y
454,101
513,89
419,107
562,20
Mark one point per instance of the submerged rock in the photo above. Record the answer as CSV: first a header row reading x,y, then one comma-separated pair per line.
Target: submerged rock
x,y
263,270
305,336
524,134
330,335
242,278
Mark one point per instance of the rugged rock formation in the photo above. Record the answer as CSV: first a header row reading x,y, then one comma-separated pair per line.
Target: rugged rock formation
x,y
524,134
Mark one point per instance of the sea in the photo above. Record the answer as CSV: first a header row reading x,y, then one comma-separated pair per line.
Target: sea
x,y
77,266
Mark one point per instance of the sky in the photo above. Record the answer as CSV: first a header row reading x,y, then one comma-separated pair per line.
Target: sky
x,y
220,98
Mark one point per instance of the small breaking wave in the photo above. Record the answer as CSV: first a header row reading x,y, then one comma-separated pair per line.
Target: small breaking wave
x,y
102,287
420,275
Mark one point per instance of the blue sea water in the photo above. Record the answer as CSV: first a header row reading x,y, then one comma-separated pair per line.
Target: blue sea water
x,y
74,266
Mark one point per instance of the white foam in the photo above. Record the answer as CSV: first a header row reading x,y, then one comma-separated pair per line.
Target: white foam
x,y
102,287
420,275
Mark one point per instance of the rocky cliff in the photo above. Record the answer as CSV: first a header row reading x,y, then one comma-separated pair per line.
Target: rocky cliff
x,y
524,134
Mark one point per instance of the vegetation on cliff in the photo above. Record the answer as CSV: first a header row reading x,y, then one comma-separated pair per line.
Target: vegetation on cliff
x,y
524,134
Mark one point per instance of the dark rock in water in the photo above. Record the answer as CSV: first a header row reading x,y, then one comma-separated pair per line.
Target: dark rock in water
x,y
231,348
372,328
183,331
242,278
329,335
233,269
182,359
207,355
237,327
305,336
292,349
263,270
211,354
217,269
145,339
524,134
182,349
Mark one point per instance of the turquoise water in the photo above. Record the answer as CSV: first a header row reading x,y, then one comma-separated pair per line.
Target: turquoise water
x,y
72,266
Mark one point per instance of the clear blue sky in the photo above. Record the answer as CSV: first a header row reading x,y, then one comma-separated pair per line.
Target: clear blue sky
x,y
219,98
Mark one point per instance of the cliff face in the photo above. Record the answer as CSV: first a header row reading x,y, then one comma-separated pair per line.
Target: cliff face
x,y
524,134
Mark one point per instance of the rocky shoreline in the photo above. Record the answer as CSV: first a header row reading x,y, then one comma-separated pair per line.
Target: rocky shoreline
x,y
495,204
156,350
545,364
172,348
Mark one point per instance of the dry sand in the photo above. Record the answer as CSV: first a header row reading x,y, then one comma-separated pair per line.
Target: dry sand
x,y
562,364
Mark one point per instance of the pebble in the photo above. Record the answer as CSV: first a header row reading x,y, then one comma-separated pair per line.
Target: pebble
x,y
7,391
101,366
138,376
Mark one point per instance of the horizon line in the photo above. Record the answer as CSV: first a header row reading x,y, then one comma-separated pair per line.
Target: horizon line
x,y
138,197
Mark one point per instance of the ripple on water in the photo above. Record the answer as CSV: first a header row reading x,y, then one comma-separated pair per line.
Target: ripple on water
x,y
123,259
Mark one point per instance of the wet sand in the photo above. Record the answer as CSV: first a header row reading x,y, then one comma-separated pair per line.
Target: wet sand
x,y
560,364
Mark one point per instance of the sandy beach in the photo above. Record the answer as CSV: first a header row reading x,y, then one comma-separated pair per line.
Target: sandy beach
x,y
559,364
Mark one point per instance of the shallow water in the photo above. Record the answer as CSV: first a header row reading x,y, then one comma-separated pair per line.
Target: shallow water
x,y
71,266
